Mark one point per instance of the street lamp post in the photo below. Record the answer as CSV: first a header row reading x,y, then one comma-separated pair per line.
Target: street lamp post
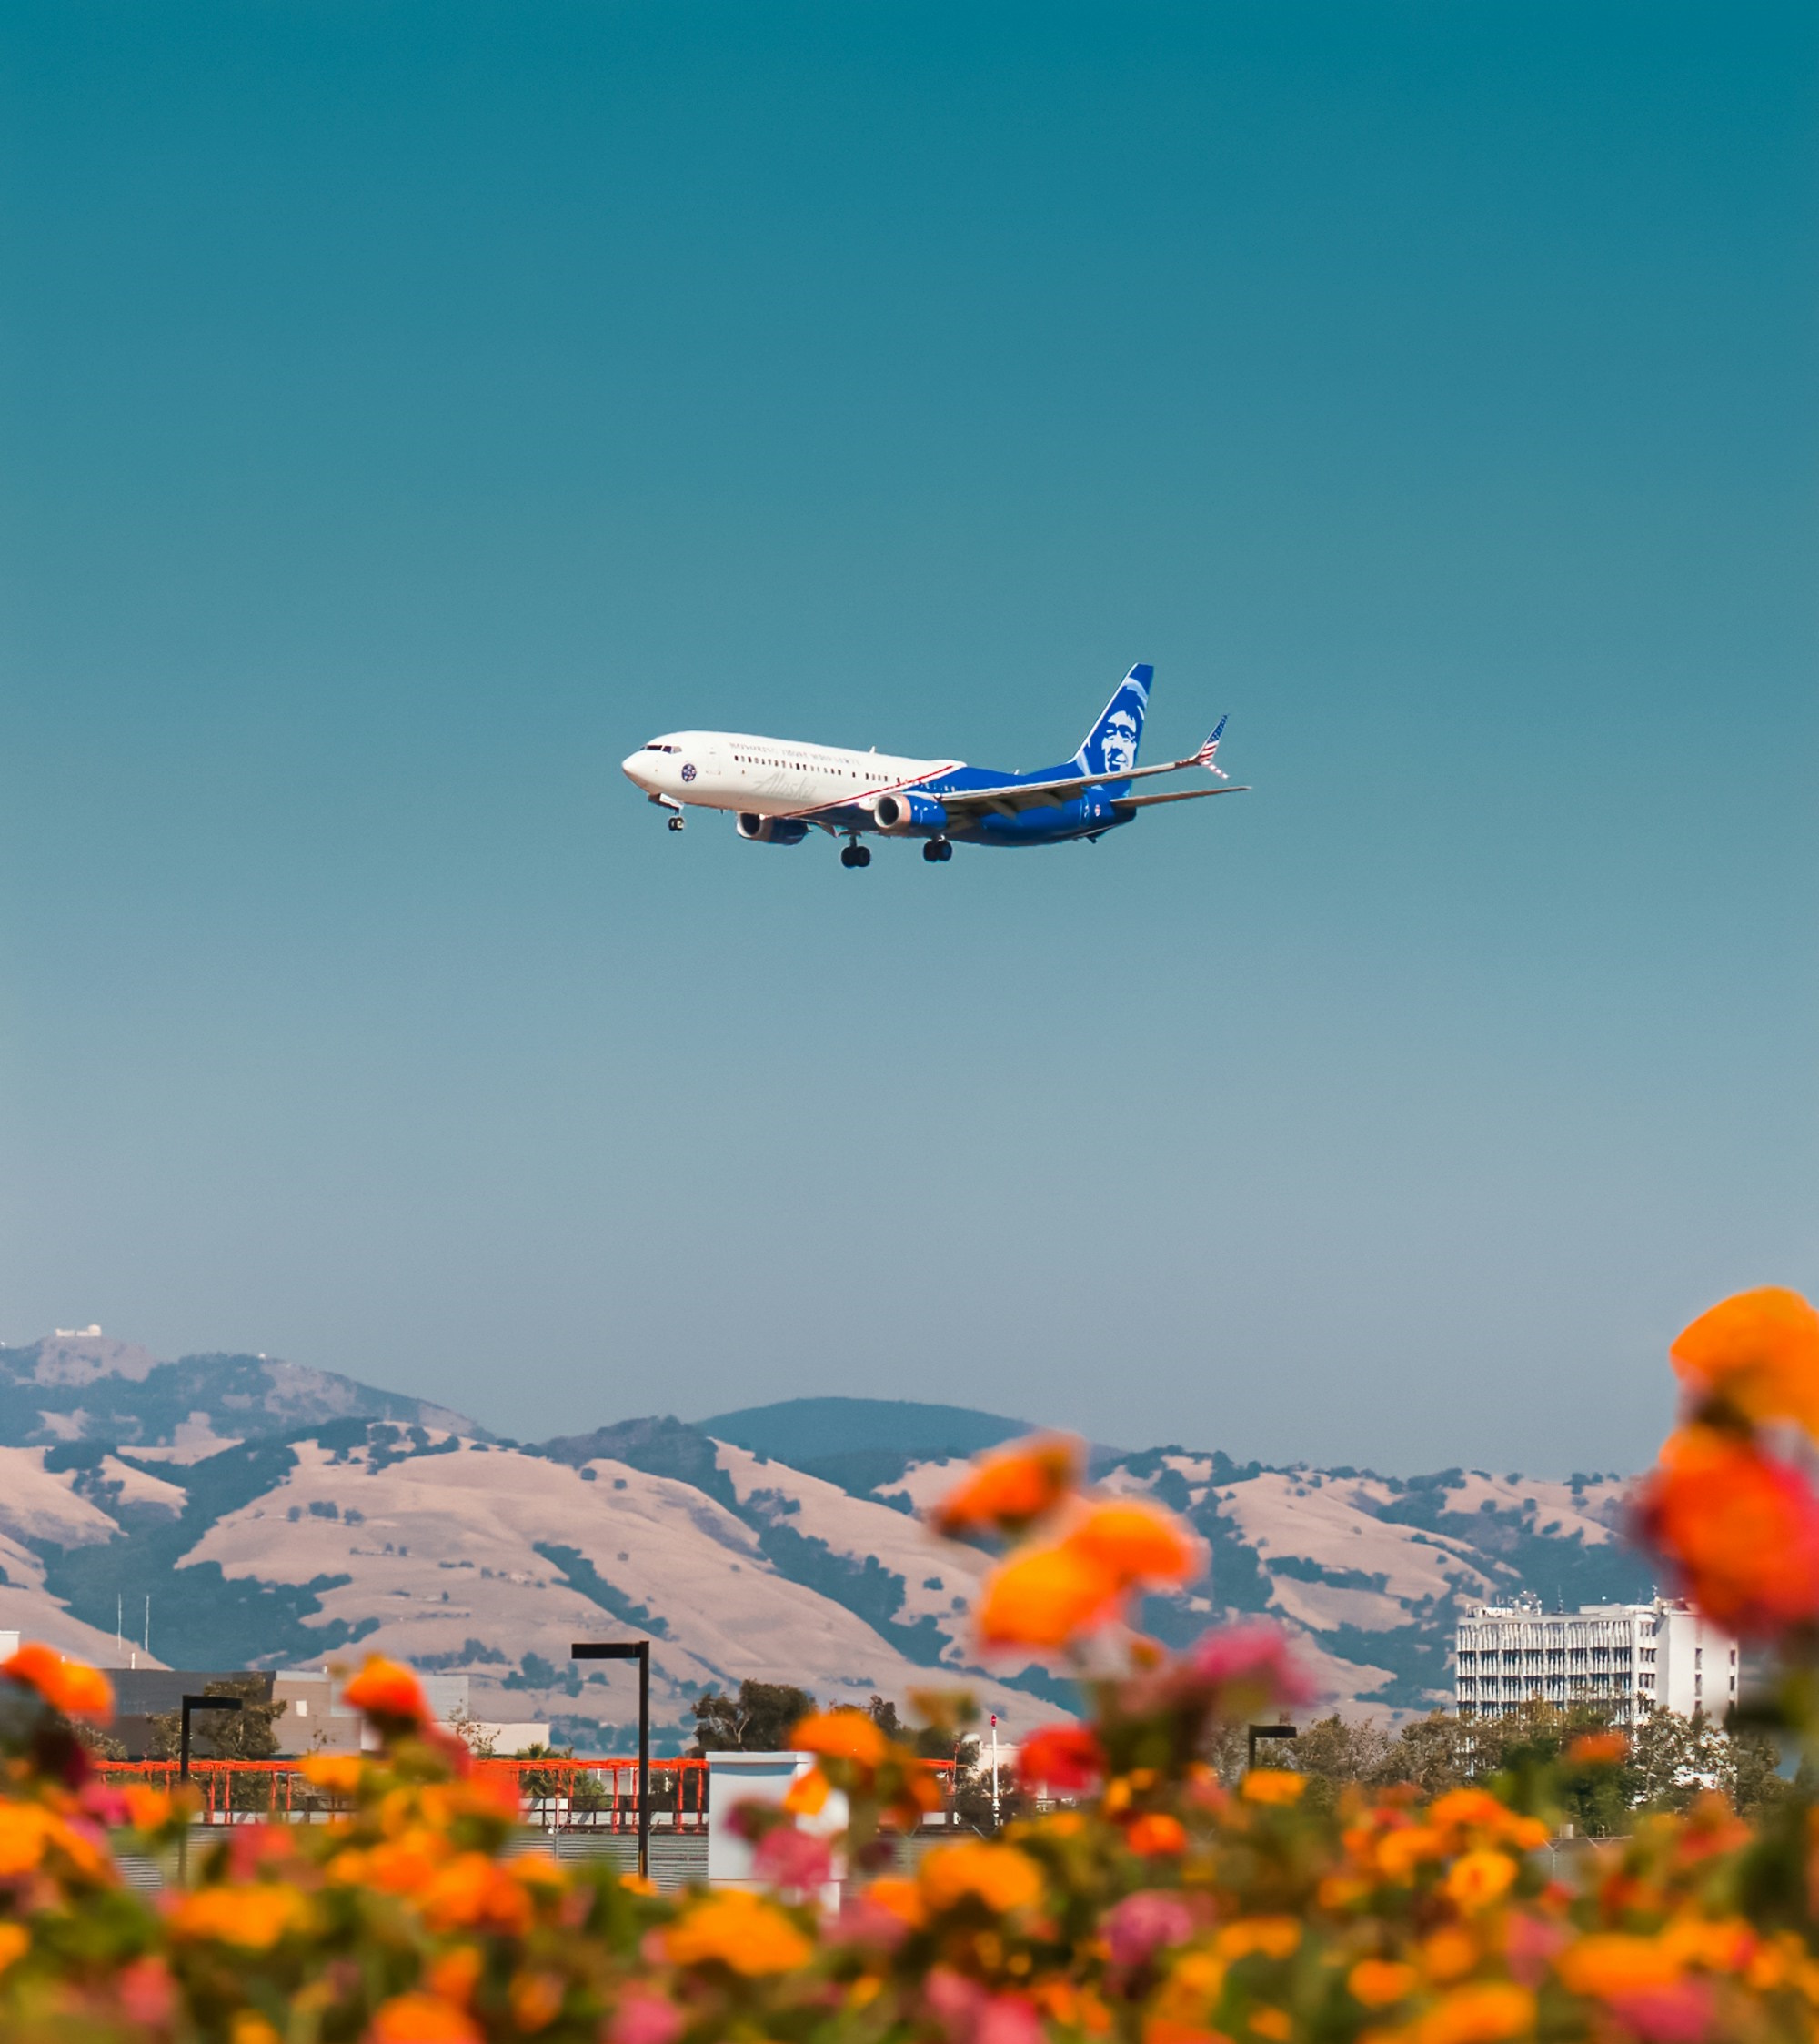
x,y
1268,1732
636,1650
190,1704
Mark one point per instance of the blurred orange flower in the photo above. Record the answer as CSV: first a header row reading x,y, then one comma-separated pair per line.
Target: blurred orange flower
x,y
739,1931
338,1772
536,2000
1612,1962
253,1918
1758,1351
1272,1786
16,1941
26,1831
420,2018
1377,1982
1484,2013
456,1975
1045,1597
1155,1834
1137,1543
1598,1749
387,1689
1008,1492
1741,1529
1001,1876
1274,1937
842,1734
1477,1880
71,1687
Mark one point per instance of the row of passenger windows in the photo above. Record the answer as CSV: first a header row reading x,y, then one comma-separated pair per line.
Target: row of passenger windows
x,y
759,759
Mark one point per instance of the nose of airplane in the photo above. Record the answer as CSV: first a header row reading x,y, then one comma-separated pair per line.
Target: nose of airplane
x,y
636,768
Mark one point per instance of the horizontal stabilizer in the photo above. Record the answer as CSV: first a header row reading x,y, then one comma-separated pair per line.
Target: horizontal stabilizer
x,y
1181,795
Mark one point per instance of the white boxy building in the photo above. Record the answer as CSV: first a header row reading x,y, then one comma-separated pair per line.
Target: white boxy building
x,y
1631,1657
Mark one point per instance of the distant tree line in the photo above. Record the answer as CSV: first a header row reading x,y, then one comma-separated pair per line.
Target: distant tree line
x,y
1671,1760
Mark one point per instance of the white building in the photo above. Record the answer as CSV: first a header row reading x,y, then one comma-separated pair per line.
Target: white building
x,y
1629,1657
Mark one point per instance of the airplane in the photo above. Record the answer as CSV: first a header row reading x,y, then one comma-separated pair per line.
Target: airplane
x,y
778,789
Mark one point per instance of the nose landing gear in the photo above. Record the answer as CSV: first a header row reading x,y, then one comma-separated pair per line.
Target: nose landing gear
x,y
675,823
938,852
855,854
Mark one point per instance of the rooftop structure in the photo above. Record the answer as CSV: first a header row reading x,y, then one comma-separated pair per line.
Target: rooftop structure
x,y
1630,1658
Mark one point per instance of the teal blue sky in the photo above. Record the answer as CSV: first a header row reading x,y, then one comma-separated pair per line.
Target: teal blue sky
x,y
409,409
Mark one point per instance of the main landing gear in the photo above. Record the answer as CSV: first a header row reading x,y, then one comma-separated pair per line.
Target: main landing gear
x,y
855,854
938,852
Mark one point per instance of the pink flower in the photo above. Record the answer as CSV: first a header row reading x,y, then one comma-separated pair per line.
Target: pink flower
x,y
1250,1657
787,1857
1680,2014
147,1992
1143,1923
862,1921
1532,1946
645,2018
969,2014
1006,2019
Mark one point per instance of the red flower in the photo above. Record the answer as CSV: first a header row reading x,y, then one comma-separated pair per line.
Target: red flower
x,y
1064,1757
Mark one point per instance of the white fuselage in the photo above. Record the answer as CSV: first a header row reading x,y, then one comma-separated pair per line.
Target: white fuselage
x,y
768,776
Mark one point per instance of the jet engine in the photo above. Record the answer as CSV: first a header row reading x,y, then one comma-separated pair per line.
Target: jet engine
x,y
908,810
771,829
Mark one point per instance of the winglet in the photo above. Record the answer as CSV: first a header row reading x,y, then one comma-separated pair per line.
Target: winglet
x,y
1205,757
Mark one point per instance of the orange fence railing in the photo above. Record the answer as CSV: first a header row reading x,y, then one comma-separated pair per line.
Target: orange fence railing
x,y
584,1795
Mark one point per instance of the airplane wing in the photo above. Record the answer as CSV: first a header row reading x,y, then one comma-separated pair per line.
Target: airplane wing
x,y
1179,795
1013,796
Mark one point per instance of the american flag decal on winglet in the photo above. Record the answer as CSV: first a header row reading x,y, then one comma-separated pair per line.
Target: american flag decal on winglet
x,y
1204,757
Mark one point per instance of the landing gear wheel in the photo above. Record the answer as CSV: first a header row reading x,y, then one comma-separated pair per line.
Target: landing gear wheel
x,y
938,852
856,855
675,823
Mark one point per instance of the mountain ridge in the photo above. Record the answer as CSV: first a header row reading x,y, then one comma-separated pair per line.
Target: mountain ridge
x,y
433,1541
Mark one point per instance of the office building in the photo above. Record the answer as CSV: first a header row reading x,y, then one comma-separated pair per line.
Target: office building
x,y
1628,1659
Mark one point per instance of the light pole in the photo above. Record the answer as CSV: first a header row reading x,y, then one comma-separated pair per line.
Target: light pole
x,y
1268,1732
994,1772
190,1704
636,1650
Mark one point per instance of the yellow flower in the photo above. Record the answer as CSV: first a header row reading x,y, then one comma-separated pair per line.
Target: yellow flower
x,y
1378,1983
1001,1876
16,1941
1272,1786
740,1931
1486,2013
253,1918
1479,1879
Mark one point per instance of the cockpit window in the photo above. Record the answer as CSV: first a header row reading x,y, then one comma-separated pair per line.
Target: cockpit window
x,y
663,748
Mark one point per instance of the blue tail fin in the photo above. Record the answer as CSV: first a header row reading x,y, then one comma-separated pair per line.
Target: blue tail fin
x,y
1111,744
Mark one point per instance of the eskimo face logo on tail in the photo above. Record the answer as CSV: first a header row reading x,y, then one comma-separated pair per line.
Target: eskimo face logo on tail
x,y
1117,742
